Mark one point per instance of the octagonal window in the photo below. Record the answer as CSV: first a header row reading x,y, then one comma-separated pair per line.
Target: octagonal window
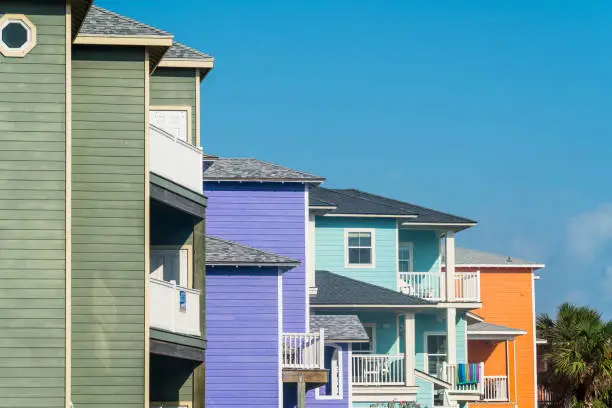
x,y
17,35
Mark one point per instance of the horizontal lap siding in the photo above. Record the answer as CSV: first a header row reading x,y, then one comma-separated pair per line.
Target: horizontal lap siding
x,y
242,360
175,87
330,249
108,227
32,213
426,249
270,217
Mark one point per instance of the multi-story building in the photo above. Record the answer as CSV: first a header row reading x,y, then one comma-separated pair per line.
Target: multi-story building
x,y
101,210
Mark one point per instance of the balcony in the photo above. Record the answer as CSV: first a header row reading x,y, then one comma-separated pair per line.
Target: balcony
x,y
175,160
174,308
303,351
378,369
466,386
432,286
495,388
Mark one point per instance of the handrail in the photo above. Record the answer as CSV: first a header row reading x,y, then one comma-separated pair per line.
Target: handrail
x,y
174,138
378,369
303,350
174,285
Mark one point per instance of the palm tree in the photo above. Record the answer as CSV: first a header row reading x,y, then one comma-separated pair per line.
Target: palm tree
x,y
579,355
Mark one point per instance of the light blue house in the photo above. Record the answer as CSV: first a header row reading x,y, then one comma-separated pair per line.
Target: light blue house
x,y
381,259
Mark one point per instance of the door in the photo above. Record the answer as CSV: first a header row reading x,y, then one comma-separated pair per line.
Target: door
x,y
170,265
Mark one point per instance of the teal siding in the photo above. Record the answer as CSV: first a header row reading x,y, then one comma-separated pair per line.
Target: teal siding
x,y
426,248
175,87
425,394
425,323
108,227
330,249
461,337
32,213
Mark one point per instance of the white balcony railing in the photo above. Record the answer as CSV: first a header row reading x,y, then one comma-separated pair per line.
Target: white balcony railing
x,y
495,388
424,285
174,308
378,369
449,374
175,160
432,286
467,286
303,350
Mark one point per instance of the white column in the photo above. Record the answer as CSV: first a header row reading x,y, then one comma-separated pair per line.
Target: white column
x,y
451,333
450,266
409,353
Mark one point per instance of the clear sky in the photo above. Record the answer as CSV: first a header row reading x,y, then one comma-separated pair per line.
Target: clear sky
x,y
494,110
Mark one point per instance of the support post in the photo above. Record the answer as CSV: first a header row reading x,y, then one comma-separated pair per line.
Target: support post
x,y
409,339
199,283
451,334
450,265
321,349
301,391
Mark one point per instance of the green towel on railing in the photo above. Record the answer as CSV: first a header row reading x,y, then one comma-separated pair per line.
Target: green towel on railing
x,y
467,374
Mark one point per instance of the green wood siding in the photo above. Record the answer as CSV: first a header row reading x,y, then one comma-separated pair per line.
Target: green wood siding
x,y
108,227
32,213
175,87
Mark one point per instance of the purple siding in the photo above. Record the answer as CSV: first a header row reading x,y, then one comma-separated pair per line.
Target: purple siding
x,y
271,217
242,329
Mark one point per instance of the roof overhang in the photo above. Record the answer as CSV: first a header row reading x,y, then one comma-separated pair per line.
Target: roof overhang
x,y
187,63
440,226
371,215
78,11
332,340
506,266
495,336
251,264
262,180
173,195
144,41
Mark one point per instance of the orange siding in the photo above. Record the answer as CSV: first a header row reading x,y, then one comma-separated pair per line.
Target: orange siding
x,y
507,300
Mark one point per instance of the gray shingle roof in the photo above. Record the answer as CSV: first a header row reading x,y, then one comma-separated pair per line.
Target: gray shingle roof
x,y
99,21
337,290
352,201
223,252
484,327
465,256
226,169
181,51
316,202
339,327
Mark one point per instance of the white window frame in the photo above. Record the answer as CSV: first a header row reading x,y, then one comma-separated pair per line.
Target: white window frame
x,y
410,246
30,43
178,248
372,232
426,346
182,108
373,339
340,376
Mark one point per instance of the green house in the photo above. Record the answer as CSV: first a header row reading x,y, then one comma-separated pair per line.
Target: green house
x,y
101,211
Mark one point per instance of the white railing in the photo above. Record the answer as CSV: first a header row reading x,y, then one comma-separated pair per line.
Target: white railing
x,y
378,369
174,308
467,286
176,160
424,285
495,388
303,350
449,374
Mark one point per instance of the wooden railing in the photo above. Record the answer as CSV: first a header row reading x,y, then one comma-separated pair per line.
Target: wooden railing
x,y
467,286
174,308
378,369
495,388
303,350
449,374
424,285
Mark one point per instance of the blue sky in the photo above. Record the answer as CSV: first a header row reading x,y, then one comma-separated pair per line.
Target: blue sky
x,y
497,111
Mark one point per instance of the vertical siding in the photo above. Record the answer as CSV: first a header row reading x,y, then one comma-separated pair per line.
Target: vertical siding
x,y
175,87
270,217
426,248
330,249
32,213
242,360
507,300
108,227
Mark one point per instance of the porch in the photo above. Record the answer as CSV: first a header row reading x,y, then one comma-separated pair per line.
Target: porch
x,y
377,377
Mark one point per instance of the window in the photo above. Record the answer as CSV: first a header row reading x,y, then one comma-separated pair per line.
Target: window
x,y
174,120
436,353
369,347
333,363
360,248
17,35
405,257
171,265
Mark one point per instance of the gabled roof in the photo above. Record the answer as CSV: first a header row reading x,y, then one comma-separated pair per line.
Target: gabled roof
x,y
102,22
334,290
316,202
356,202
339,328
221,252
471,257
236,169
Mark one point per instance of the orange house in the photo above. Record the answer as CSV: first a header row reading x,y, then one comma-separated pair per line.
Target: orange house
x,y
501,333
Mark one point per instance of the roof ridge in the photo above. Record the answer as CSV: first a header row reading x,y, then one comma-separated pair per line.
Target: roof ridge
x,y
413,205
250,248
131,20
342,192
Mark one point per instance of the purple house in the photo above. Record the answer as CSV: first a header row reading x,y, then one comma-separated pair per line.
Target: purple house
x,y
265,206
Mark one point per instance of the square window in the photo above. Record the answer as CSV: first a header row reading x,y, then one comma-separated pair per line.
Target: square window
x,y
360,248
